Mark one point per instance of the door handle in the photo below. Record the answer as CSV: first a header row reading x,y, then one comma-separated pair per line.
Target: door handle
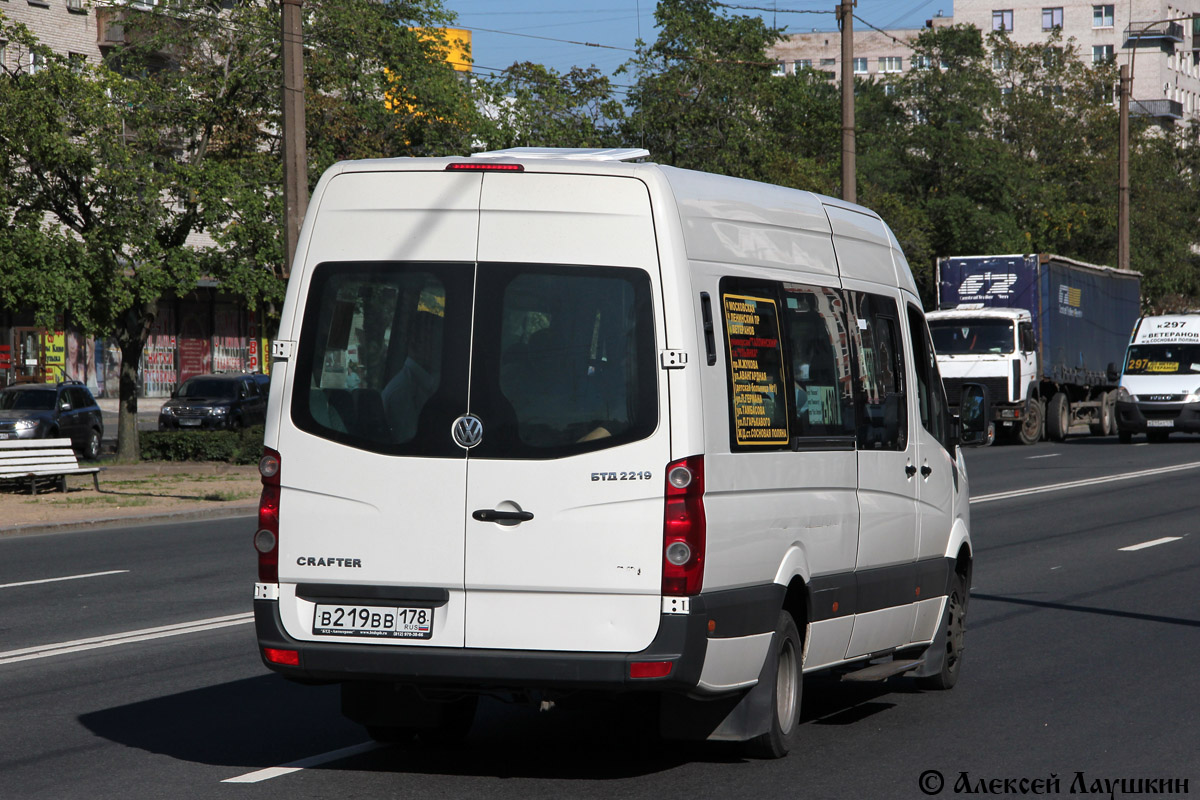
x,y
926,471
910,470
495,515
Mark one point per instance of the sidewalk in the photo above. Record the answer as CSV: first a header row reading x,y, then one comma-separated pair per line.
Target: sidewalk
x,y
135,493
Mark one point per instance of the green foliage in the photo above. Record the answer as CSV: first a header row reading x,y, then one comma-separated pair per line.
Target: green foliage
x,y
236,447
529,105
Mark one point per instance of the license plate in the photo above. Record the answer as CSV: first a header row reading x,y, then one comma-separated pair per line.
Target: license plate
x,y
1160,423
189,422
3,435
387,622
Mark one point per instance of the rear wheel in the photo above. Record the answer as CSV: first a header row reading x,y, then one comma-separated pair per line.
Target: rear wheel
x,y
952,633
1058,417
785,710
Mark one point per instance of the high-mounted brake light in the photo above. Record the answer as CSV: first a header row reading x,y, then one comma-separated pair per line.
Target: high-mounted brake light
x,y
266,539
483,166
684,528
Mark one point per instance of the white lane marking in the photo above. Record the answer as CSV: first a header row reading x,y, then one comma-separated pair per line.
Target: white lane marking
x,y
128,637
66,578
1058,487
304,763
1154,543
1051,455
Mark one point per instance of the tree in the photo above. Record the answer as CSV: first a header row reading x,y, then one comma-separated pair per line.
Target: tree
x,y
127,182
532,105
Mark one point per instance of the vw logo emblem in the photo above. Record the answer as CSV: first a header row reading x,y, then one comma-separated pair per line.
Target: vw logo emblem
x,y
467,431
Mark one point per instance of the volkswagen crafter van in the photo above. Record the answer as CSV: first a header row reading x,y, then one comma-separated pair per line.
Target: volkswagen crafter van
x,y
1160,383
548,422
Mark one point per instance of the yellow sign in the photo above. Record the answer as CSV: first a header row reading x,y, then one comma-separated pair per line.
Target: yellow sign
x,y
756,370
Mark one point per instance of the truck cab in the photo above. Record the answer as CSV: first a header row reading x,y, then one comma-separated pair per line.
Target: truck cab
x,y
994,347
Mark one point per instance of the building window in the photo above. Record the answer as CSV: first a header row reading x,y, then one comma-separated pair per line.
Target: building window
x,y
828,62
922,62
78,62
803,63
37,62
860,66
1102,54
889,90
1002,20
891,64
3,55
1102,16
779,69
1052,18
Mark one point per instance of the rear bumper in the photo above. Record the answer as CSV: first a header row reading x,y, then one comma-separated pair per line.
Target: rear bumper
x,y
1142,417
682,639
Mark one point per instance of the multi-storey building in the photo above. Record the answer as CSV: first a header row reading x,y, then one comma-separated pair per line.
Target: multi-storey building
x,y
1159,39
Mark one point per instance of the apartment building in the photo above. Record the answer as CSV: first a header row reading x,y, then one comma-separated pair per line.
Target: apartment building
x,y
1159,39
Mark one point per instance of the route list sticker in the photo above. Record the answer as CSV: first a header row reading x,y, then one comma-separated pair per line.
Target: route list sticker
x,y
756,370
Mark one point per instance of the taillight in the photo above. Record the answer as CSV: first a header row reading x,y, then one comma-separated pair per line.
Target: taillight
x,y
683,528
266,540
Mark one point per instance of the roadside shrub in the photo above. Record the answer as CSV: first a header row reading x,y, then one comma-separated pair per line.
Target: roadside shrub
x,y
235,447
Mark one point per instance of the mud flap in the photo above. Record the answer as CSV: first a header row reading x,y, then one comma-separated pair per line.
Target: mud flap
x,y
728,718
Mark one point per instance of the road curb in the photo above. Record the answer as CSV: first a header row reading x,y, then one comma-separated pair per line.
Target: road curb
x,y
166,518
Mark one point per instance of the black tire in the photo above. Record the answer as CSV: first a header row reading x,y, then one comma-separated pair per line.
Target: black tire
x,y
235,424
1106,424
91,446
1030,430
1058,418
951,634
786,672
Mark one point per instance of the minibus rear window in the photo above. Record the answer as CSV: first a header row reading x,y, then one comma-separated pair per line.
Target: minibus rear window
x,y
383,355
564,360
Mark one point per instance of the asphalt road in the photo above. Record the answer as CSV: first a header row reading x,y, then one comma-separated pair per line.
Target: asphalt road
x,y
1079,667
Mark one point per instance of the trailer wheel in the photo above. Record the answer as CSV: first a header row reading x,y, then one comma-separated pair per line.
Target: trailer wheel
x,y
1104,426
1030,431
1058,417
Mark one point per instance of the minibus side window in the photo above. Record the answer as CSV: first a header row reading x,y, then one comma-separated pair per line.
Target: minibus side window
x,y
790,371
930,392
875,332
821,380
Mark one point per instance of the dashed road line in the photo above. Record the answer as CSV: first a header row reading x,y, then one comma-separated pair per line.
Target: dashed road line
x,y
274,772
65,578
1153,543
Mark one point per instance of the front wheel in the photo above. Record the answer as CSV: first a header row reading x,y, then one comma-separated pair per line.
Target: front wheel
x,y
91,448
786,656
1030,431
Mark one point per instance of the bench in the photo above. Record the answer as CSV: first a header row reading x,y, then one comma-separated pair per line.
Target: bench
x,y
34,459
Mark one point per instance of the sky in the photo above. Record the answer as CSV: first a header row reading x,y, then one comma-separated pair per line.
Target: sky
x,y
503,31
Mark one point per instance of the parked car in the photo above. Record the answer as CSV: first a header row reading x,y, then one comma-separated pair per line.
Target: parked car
x,y
214,402
50,411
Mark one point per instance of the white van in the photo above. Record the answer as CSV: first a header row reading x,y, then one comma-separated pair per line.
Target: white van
x,y
1160,383
552,421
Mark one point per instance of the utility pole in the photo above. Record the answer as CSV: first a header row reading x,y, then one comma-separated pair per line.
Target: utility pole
x,y
295,157
1123,171
845,15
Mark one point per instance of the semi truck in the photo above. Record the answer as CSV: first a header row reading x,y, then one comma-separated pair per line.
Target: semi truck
x,y
1046,335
